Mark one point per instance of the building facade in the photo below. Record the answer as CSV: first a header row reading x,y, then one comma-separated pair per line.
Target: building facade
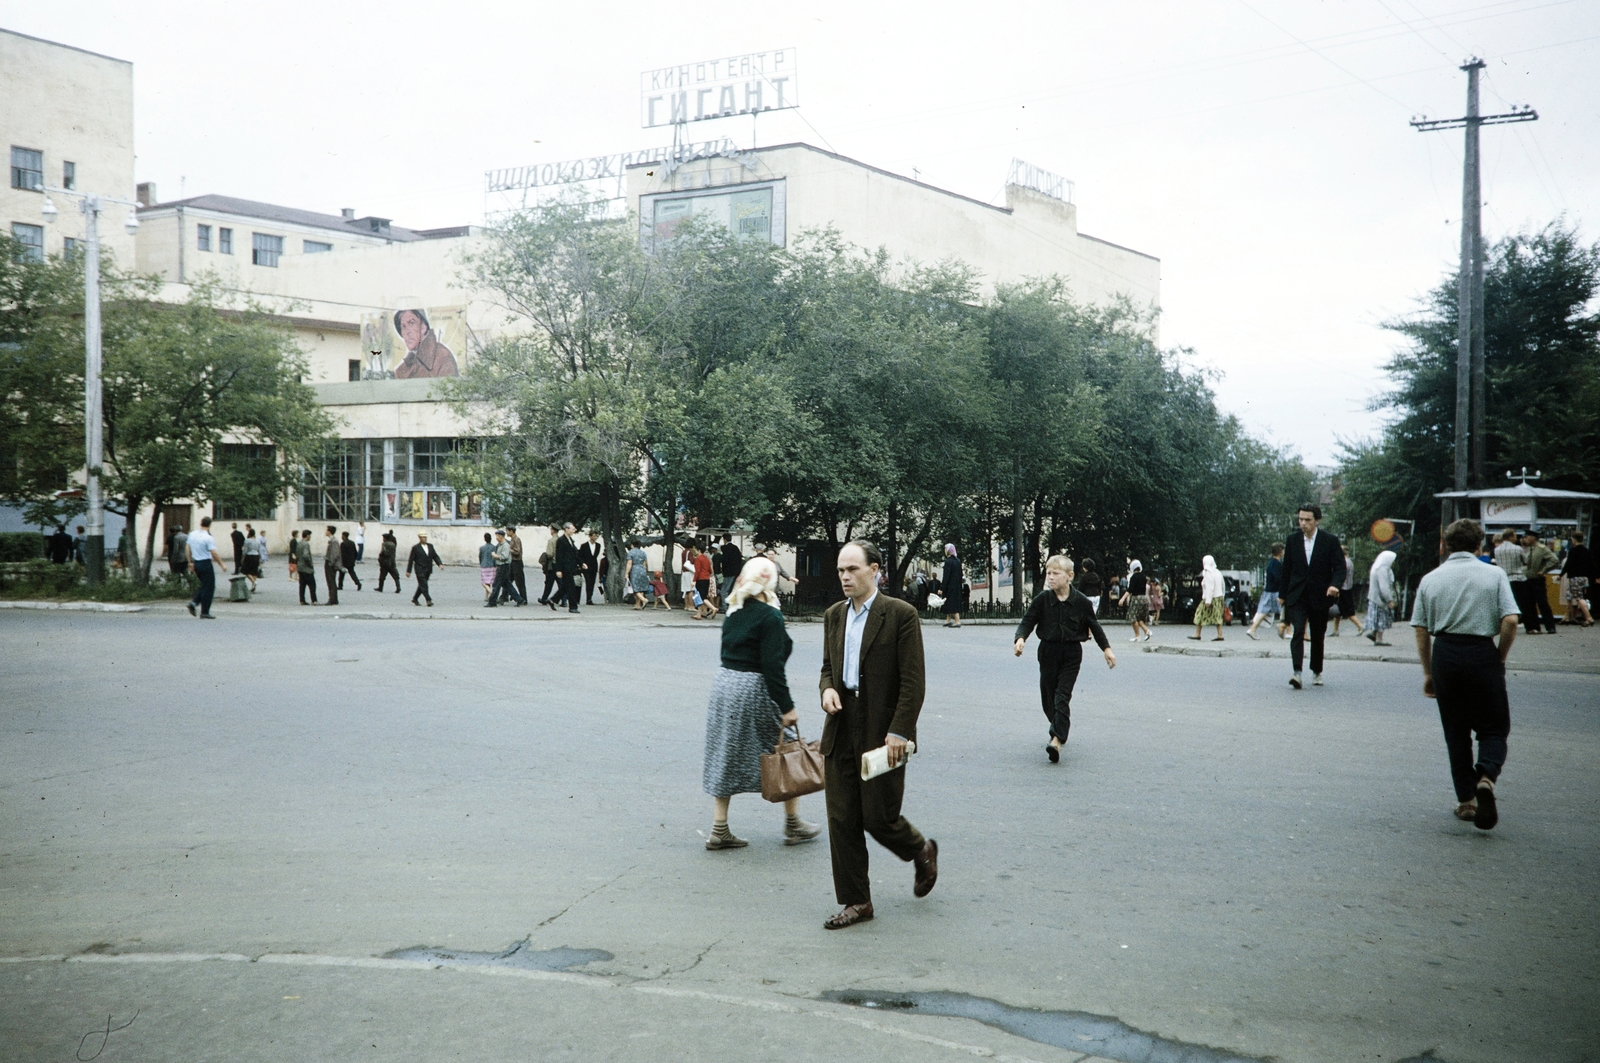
x,y
66,120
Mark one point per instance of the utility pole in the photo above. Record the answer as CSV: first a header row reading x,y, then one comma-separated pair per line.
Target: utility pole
x,y
1471,386
94,550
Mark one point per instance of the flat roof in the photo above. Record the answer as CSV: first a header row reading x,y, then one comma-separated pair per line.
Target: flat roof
x,y
250,208
898,177
70,47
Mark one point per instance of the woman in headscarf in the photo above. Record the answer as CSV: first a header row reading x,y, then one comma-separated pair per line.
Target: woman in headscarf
x,y
750,703
1137,599
1210,610
951,586
1380,598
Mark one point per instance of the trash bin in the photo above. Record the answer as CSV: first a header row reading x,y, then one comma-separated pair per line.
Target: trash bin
x,y
238,588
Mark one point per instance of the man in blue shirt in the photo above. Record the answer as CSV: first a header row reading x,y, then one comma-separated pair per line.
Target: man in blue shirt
x,y
202,547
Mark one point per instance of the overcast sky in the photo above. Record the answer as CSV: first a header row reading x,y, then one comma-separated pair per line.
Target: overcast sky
x,y
1260,149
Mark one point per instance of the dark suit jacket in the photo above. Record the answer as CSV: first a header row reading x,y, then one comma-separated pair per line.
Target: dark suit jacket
x,y
891,688
590,555
566,556
1307,584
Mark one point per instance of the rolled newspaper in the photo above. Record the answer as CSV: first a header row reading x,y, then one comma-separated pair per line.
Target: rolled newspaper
x,y
876,763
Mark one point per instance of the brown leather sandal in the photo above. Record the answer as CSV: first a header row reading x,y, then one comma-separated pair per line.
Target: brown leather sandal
x,y
850,915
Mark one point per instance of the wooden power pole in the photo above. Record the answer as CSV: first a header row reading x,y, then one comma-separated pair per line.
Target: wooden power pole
x,y
1471,388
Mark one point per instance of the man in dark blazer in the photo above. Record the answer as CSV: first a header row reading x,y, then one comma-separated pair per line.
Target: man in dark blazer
x,y
872,687
567,570
1313,572
589,559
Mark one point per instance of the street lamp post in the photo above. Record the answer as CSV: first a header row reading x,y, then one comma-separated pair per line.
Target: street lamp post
x,y
91,206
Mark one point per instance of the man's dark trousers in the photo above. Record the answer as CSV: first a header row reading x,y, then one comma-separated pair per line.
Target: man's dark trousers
x,y
387,568
422,590
208,586
588,585
1470,683
503,583
549,584
1058,674
568,592
308,578
1535,602
1316,618
855,806
520,580
330,572
349,570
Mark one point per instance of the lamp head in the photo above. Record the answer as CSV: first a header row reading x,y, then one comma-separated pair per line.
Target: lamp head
x,y
48,209
131,226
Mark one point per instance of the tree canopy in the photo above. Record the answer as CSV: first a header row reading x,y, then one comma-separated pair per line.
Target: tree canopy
x,y
819,391
180,383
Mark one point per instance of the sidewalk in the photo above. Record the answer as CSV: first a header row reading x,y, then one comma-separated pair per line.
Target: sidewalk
x,y
1571,649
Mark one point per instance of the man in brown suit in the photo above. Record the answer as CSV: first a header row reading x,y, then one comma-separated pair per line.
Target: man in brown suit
x,y
872,687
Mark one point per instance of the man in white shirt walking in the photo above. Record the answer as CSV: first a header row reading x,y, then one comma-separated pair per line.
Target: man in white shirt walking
x,y
1461,606
202,552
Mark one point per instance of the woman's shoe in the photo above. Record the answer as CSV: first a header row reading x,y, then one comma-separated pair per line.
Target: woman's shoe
x,y
1252,635
800,832
1052,751
725,840
1194,638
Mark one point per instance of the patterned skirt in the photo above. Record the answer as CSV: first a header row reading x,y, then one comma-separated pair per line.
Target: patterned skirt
x,y
1379,616
1209,613
741,724
486,576
1577,589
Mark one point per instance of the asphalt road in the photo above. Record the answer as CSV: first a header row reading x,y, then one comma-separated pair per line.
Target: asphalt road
x,y
224,832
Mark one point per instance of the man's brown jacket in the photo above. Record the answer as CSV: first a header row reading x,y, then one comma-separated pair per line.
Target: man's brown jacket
x,y
891,683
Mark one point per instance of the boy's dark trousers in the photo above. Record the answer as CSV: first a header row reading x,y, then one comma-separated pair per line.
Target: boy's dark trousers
x,y
1058,673
387,568
308,578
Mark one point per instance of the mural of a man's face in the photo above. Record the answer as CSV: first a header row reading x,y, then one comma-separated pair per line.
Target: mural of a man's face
x,y
411,329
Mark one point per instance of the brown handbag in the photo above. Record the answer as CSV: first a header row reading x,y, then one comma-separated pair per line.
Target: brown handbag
x,y
793,768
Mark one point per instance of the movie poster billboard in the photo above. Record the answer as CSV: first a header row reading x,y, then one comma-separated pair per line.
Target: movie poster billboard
x,y
414,342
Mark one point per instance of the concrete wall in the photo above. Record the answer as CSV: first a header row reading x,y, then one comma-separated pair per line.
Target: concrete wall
x,y
74,106
1032,236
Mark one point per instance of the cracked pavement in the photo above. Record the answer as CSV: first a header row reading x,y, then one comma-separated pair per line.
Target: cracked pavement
x,y
226,829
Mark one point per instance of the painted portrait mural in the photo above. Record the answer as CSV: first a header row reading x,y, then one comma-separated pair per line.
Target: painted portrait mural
x,y
414,342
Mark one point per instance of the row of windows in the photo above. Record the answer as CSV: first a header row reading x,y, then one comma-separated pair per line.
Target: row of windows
x,y
264,249
378,479
27,170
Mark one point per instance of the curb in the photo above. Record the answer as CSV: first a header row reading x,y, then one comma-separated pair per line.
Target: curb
x,y
82,607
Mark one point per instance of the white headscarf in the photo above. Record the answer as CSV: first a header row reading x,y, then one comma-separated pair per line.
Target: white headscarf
x,y
949,549
759,580
1381,577
1211,585
1133,566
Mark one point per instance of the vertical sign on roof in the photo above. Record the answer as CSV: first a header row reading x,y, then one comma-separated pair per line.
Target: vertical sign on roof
x,y
719,88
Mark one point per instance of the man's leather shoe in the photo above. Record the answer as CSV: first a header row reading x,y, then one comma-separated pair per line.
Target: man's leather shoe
x,y
850,915
927,865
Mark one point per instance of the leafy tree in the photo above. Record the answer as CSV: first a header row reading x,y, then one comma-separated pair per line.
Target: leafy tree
x,y
1542,369
178,382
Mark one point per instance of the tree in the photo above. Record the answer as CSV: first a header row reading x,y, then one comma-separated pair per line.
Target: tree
x,y
1542,368
179,383
569,397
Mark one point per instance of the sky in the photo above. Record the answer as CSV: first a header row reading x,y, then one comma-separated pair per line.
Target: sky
x,y
1260,149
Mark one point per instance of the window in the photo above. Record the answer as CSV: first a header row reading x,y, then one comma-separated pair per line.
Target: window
x,y
71,247
252,481
264,249
316,247
225,241
69,175
355,369
27,169
202,237
31,237
345,483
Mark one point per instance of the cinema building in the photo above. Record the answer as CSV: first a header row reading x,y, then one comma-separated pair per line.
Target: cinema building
x,y
383,315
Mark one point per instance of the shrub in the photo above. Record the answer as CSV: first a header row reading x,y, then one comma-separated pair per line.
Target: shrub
x,y
21,546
